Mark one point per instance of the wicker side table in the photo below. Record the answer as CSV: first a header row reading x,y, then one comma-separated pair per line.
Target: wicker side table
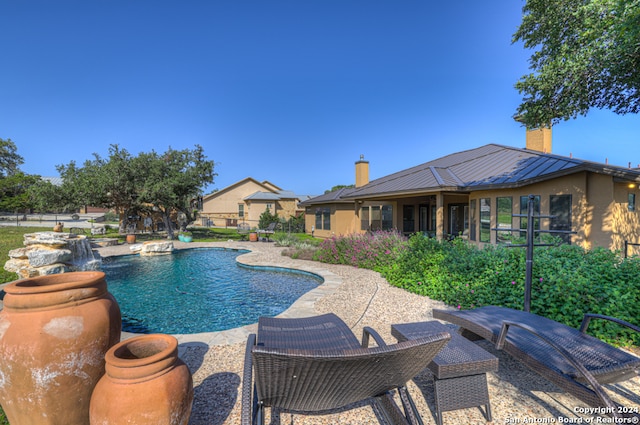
x,y
460,369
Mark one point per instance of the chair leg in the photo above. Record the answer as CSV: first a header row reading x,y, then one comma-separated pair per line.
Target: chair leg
x,y
388,412
260,414
410,409
488,411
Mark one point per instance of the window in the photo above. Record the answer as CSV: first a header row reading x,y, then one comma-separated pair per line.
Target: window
x,y
485,220
376,217
472,214
408,219
387,217
524,210
323,218
632,202
269,206
364,218
504,217
241,210
560,210
458,219
326,219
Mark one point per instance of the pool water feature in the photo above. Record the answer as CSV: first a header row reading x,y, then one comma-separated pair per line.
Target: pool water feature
x,y
199,290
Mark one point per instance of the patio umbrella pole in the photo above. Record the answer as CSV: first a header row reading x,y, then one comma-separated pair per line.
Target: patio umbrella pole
x,y
529,260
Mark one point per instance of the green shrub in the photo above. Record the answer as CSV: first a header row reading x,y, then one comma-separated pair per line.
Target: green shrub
x,y
284,239
568,281
266,218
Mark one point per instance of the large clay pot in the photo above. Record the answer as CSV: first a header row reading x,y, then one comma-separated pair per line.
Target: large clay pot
x,y
131,238
253,237
54,333
145,383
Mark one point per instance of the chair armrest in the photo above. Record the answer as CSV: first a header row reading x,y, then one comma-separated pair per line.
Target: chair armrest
x,y
367,332
588,316
595,385
247,383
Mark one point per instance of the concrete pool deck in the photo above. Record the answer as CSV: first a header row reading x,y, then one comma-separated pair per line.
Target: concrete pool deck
x,y
363,298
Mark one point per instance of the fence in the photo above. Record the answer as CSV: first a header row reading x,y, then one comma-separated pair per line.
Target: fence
x,y
289,226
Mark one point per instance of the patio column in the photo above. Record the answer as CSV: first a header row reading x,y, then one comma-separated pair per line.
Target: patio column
x,y
439,216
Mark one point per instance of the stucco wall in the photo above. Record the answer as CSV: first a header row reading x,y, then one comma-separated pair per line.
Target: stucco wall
x,y
599,213
343,220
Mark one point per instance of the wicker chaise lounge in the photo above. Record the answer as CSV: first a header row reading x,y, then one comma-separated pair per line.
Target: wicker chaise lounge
x,y
317,365
270,230
576,362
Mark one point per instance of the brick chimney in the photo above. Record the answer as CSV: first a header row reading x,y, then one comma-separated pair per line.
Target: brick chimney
x,y
362,172
539,139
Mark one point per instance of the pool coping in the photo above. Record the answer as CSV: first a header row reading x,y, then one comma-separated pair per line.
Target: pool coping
x,y
302,307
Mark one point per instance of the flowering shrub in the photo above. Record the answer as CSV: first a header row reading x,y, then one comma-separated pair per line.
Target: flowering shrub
x,y
373,250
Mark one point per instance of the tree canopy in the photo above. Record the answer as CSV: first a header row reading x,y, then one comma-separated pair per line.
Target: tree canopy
x,y
586,55
10,161
102,182
173,181
166,183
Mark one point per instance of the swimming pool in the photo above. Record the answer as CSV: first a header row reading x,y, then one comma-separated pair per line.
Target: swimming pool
x,y
199,290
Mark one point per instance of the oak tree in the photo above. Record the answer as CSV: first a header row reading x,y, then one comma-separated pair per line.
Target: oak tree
x,y
586,55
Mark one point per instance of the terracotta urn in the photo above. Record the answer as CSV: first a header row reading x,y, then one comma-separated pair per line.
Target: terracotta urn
x,y
145,383
54,333
131,238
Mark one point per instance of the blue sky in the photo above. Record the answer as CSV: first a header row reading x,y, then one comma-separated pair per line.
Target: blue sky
x,y
287,91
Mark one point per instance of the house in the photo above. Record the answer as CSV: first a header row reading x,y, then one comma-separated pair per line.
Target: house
x,y
245,200
475,192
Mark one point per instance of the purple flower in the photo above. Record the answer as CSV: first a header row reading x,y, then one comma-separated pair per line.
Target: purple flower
x,y
513,282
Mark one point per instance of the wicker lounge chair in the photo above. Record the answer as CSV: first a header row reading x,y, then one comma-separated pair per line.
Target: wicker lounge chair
x,y
576,362
243,230
317,366
270,230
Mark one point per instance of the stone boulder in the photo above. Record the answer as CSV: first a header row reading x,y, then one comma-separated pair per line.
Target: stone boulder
x,y
52,252
156,248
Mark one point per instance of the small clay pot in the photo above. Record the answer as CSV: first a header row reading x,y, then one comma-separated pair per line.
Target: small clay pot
x,y
54,333
145,383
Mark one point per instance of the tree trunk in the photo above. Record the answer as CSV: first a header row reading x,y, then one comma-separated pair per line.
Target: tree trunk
x,y
168,225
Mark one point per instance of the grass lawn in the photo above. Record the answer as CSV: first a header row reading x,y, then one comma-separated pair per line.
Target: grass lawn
x,y
12,238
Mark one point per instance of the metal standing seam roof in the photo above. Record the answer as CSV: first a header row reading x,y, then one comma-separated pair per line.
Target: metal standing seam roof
x,y
489,166
270,196
262,196
333,197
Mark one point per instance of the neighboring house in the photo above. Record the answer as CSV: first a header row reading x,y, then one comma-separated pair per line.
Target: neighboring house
x,y
245,200
474,192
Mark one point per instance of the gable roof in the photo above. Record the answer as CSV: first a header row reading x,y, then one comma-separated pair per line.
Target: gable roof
x,y
490,166
236,184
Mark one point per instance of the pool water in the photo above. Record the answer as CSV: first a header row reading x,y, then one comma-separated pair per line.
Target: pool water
x,y
199,290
